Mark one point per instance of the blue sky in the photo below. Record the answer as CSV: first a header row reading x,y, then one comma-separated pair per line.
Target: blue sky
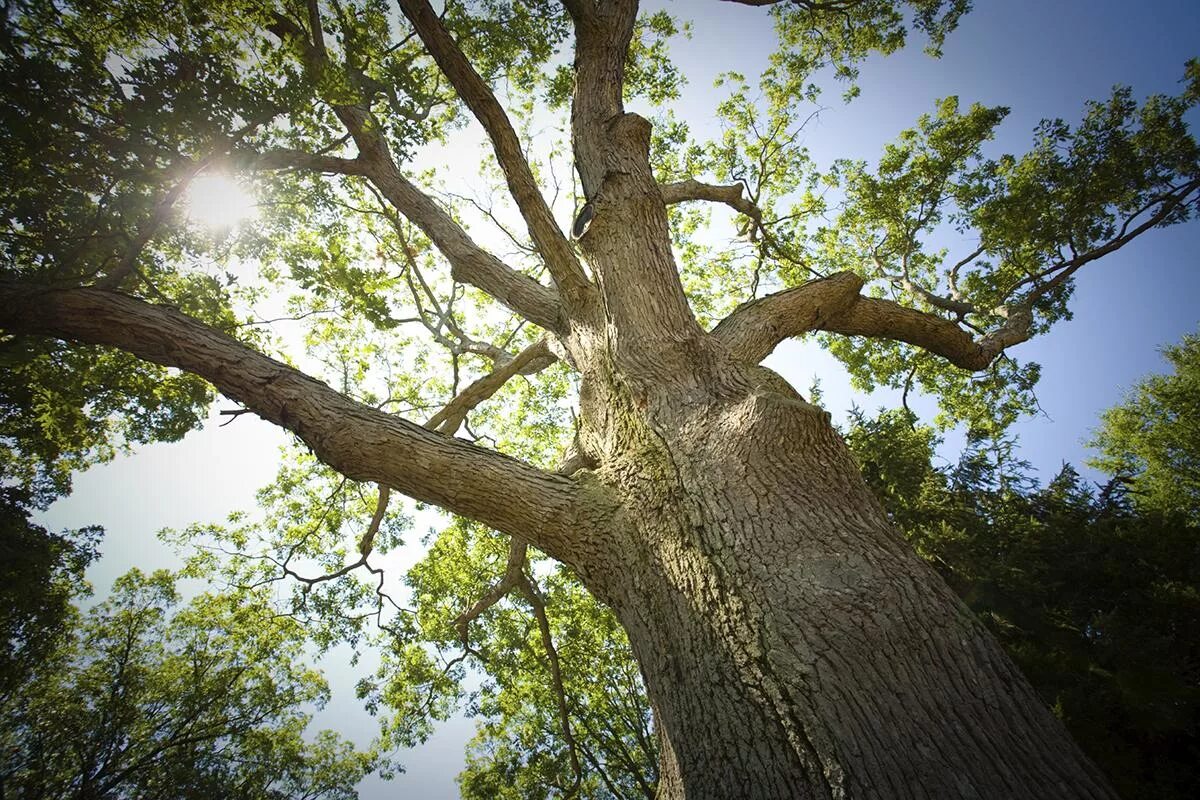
x,y
1040,58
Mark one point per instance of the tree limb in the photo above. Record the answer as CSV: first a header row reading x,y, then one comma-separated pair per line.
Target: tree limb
x,y
551,243
362,443
730,195
530,590
518,548
288,158
580,10
834,305
885,319
602,39
469,263
755,328
454,413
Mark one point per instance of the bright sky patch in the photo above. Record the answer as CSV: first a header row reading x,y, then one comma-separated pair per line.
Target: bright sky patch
x,y
219,202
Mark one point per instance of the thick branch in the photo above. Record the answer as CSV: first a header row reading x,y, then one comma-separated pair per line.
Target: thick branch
x,y
360,442
555,249
469,263
834,305
755,328
884,319
602,39
580,10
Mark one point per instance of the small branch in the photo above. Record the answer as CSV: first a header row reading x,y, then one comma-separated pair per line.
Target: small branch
x,y
952,274
451,417
908,383
233,414
281,158
1064,270
368,538
959,308
513,572
162,208
530,590
730,194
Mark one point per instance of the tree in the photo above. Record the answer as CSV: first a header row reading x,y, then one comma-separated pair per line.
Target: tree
x,y
1096,599
207,701
40,572
791,644
1153,438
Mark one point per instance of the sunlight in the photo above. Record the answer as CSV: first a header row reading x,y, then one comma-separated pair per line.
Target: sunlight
x,y
220,202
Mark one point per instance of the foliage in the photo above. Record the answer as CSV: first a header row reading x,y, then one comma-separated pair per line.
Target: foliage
x,y
40,572
521,749
1153,438
148,697
1095,597
66,408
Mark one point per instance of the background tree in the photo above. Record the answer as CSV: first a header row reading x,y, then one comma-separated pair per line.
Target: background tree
x,y
40,573
1153,439
776,617
1094,597
143,699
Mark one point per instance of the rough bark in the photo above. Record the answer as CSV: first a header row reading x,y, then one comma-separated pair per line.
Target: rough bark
x,y
793,645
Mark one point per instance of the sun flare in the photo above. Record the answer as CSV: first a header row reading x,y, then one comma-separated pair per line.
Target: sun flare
x,y
220,202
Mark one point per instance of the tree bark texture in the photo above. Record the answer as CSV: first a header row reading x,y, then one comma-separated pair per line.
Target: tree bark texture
x,y
793,645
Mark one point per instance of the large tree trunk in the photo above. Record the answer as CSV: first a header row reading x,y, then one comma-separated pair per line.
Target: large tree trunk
x,y
793,645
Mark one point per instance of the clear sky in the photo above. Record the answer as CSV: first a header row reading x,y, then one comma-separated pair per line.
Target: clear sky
x,y
1041,57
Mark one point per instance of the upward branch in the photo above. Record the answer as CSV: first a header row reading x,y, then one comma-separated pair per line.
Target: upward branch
x,y
834,305
360,442
469,262
551,243
602,39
